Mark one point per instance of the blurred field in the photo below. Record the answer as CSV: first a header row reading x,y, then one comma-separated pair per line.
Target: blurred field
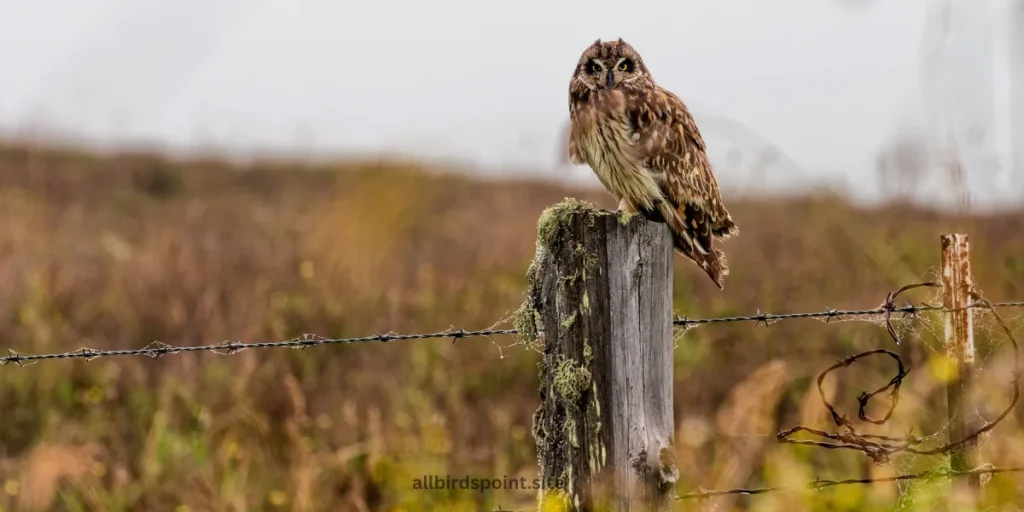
x,y
119,251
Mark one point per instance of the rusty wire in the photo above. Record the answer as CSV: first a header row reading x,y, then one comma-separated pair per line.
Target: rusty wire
x,y
878,447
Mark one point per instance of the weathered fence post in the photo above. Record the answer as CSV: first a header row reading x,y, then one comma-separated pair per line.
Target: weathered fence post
x,y
601,304
957,286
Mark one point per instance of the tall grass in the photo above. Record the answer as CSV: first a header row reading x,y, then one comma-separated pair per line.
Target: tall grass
x,y
119,251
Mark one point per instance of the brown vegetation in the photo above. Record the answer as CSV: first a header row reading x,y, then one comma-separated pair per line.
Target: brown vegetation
x,y
120,251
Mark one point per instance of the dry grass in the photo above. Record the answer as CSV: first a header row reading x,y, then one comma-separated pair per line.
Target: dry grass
x,y
119,251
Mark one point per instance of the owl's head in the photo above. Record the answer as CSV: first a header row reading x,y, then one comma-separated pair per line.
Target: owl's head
x,y
608,65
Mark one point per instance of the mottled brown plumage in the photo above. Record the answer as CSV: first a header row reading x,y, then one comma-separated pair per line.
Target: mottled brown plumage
x,y
644,146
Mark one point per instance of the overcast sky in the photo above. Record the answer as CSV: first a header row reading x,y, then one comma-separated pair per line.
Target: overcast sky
x,y
486,83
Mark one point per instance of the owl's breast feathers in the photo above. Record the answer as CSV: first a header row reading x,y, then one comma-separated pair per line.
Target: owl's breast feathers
x,y
603,138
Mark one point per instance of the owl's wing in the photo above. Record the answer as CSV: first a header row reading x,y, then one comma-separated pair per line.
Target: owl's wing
x,y
670,145
574,151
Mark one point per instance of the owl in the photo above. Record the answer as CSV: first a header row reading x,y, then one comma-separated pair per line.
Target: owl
x,y
643,145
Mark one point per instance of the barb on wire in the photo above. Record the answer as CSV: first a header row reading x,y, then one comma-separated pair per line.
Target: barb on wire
x,y
817,485
890,307
878,447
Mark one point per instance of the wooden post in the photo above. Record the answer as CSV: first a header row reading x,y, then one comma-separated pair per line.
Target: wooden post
x,y
601,301
957,286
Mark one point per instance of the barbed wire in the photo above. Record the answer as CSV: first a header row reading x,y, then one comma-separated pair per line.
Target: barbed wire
x,y
819,484
881,448
158,349
829,314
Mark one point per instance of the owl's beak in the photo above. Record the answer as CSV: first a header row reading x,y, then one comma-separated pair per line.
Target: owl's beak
x,y
610,80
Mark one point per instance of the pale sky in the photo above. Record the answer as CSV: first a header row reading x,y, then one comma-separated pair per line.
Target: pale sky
x,y
486,83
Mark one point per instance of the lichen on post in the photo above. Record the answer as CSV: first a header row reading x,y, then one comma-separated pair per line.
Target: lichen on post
x,y
600,308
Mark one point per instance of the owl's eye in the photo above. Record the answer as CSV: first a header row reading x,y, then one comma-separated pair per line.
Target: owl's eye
x,y
594,67
626,65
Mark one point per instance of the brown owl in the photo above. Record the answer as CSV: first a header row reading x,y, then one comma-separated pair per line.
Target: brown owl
x,y
644,146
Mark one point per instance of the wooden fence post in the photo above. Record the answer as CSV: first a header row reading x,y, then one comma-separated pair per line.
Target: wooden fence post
x,y
957,286
601,302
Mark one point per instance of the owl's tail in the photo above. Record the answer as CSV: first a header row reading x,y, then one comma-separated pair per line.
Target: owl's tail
x,y
714,263
709,259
